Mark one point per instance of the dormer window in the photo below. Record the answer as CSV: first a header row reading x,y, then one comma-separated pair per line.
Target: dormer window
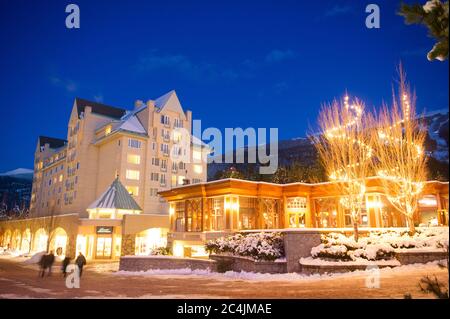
x,y
108,130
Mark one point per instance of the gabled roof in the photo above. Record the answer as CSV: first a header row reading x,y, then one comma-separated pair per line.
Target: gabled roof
x,y
99,108
132,124
115,197
52,141
169,102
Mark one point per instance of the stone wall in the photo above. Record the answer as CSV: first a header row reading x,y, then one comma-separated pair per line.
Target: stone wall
x,y
238,264
298,244
413,257
333,269
143,263
128,244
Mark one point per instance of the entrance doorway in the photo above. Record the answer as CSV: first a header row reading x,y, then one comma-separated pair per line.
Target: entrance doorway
x,y
104,247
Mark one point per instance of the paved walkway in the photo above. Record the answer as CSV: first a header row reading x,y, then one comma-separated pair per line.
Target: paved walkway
x,y
19,281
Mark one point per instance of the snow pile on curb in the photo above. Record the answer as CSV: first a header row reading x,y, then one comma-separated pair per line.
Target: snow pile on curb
x,y
258,246
289,277
36,258
380,244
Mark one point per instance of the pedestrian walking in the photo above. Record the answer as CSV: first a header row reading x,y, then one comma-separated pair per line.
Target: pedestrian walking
x,y
50,261
64,265
80,261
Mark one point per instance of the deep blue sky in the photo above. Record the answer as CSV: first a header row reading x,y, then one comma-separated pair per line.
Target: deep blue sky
x,y
234,64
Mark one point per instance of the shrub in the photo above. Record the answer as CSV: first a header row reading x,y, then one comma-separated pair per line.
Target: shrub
x,y
259,246
160,251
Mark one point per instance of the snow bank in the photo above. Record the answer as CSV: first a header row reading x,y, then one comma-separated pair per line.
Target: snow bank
x,y
380,244
251,276
34,259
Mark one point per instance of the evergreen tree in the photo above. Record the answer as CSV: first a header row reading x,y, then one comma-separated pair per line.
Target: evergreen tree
x,y
434,15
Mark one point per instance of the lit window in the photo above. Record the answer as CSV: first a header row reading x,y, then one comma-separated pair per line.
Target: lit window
x,y
181,180
174,180
133,159
132,174
198,169
197,155
61,177
133,190
108,130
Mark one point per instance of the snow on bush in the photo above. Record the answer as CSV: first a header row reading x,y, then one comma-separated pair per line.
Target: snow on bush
x,y
378,245
160,251
259,246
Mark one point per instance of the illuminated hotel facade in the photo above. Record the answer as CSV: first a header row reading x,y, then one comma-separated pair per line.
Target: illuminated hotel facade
x,y
209,210
138,152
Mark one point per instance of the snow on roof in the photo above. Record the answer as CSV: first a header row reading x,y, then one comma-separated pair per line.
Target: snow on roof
x,y
132,124
115,197
170,101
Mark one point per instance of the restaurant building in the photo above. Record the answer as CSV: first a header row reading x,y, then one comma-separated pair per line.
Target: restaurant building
x,y
209,210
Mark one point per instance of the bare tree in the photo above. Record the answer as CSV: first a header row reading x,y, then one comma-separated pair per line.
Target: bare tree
x,y
344,148
399,151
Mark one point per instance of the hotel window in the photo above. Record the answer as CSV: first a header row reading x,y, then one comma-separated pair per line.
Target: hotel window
x,y
60,177
153,192
198,169
164,165
178,123
165,134
165,120
163,180
155,161
176,136
134,159
179,217
196,180
181,165
134,143
154,177
174,181
197,156
165,148
296,208
132,174
181,180
133,190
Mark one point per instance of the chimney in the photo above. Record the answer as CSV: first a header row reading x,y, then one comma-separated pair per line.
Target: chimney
x,y
138,104
151,104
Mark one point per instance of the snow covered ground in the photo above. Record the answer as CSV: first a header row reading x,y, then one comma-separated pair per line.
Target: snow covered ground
x,y
250,276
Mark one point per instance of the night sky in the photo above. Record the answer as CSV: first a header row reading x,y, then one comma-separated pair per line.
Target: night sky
x,y
258,64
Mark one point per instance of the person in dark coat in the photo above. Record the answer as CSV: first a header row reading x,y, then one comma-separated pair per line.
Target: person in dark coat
x,y
80,261
50,261
43,265
64,265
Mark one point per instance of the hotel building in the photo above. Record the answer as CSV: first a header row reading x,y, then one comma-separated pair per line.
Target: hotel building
x,y
97,190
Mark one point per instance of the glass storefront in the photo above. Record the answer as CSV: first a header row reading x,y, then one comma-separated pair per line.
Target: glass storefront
x,y
296,210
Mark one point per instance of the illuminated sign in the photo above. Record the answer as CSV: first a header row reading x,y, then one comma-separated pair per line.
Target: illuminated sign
x,y
104,229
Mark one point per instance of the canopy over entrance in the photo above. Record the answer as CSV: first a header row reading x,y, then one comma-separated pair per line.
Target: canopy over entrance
x,y
113,203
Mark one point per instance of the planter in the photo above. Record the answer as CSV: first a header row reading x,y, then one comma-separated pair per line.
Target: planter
x,y
312,266
406,257
143,263
237,263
